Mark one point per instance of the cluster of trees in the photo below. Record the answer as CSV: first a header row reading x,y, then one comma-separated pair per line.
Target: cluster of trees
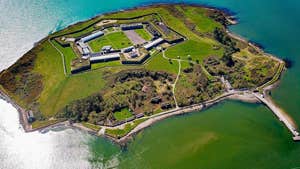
x,y
288,62
14,78
199,87
230,46
218,16
125,91
87,109
260,71
129,75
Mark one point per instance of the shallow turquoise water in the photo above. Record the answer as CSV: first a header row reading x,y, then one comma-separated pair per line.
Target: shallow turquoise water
x,y
231,135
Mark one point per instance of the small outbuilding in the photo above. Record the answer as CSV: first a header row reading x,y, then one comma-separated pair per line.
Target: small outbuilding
x,y
166,106
104,58
156,100
92,36
131,26
128,49
30,117
133,54
154,43
106,48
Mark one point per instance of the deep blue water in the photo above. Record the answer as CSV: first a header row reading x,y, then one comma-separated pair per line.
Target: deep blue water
x,y
272,23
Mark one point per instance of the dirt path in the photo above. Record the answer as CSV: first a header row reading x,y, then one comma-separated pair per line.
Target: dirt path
x,y
178,75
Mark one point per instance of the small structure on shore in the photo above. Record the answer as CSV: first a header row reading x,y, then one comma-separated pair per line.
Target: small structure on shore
x,y
166,106
30,117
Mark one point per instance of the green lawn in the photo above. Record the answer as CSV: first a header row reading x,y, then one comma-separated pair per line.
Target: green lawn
x,y
117,40
123,114
197,50
91,126
69,55
106,64
70,89
198,16
122,132
59,90
144,34
158,63
40,124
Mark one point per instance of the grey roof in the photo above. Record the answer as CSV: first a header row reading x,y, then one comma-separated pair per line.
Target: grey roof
x,y
92,36
153,43
105,57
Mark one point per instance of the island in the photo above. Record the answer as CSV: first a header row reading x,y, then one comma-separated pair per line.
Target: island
x,y
120,72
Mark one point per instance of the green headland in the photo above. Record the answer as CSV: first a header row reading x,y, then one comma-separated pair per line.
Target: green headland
x,y
118,70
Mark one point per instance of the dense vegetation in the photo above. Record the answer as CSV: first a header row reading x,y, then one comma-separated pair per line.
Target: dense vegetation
x,y
132,90
195,87
230,46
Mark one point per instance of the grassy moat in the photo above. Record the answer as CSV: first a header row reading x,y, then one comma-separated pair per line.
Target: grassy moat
x,y
174,73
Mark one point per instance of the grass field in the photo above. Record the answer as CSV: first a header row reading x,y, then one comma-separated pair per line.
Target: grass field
x,y
117,40
198,16
106,64
69,55
123,114
122,132
91,126
59,90
144,34
38,124
158,63
197,50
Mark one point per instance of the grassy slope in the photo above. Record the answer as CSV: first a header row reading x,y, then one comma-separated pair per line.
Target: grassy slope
x,y
69,55
91,126
58,89
143,34
123,114
197,50
198,16
106,64
158,63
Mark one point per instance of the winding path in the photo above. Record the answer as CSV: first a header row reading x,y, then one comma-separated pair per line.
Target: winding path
x,y
178,75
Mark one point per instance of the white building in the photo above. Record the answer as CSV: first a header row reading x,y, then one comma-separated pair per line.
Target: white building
x,y
128,49
92,36
106,48
106,57
154,43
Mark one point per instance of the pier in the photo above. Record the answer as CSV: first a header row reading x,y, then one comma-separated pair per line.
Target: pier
x,y
280,114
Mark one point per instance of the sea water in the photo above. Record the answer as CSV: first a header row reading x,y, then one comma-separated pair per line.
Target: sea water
x,y
229,135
